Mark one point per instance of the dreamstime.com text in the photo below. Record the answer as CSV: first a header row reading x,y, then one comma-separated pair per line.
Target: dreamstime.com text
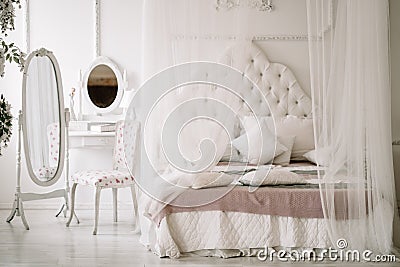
x,y
329,254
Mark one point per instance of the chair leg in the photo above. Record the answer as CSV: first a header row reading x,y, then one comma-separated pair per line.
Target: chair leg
x,y
135,206
96,209
72,211
115,204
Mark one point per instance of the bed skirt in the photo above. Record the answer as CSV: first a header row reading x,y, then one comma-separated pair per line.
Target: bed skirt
x,y
232,234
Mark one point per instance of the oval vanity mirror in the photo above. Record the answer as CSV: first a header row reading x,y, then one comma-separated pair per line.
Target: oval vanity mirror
x,y
43,118
104,86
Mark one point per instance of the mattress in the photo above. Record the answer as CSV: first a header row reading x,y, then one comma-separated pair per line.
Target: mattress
x,y
231,233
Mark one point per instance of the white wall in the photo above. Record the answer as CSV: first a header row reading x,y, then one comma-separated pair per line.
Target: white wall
x,y
67,28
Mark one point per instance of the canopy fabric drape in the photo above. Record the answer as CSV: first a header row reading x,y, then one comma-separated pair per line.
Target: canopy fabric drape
x,y
350,82
177,32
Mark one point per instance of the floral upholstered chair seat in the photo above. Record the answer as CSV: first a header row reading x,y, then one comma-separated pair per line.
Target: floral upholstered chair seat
x,y
103,178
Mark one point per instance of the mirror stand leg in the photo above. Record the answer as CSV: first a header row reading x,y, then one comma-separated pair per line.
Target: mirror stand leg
x,y
14,210
21,209
63,208
76,218
72,211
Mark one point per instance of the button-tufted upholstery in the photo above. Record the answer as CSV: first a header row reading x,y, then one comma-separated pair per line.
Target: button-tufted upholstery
x,y
276,82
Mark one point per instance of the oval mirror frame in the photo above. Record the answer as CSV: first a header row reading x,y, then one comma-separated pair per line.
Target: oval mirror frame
x,y
60,166
120,91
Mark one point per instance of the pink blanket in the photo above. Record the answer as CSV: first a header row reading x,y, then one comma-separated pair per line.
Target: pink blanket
x,y
289,201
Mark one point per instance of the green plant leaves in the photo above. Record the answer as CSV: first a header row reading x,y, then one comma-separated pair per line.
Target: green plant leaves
x,y
9,52
5,123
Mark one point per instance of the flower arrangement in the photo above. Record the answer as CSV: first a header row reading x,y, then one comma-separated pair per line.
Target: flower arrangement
x,y
5,123
9,51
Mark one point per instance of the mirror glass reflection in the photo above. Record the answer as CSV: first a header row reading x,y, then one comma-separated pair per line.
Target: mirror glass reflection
x,y
102,86
43,118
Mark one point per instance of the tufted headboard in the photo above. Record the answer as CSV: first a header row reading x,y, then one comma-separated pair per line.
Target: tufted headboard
x,y
276,81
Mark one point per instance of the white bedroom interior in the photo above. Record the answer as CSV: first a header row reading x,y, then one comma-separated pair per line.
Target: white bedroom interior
x,y
68,29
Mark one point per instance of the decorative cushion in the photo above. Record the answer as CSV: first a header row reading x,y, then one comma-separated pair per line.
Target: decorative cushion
x,y
249,143
265,176
284,158
112,178
53,135
322,157
212,179
287,141
302,129
231,154
45,172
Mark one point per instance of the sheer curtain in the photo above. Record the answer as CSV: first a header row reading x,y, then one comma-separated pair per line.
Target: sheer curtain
x,y
177,32
350,78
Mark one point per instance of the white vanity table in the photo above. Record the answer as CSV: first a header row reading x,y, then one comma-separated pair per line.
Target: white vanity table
x,y
90,139
102,89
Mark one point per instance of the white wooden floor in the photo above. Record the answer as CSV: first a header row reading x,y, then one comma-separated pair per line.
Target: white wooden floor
x,y
50,243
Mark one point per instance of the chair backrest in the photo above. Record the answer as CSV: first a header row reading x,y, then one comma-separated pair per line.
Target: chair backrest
x,y
126,143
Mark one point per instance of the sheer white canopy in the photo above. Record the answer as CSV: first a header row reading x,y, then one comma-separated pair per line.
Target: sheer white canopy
x,y
350,80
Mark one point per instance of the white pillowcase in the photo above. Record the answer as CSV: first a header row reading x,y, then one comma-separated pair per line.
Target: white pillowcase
x,y
322,156
284,158
302,129
231,154
211,179
287,141
257,145
265,176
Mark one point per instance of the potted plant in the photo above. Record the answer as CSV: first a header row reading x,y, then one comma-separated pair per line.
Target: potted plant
x,y
9,52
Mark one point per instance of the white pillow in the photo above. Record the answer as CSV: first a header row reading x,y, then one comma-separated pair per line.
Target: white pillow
x,y
257,145
302,129
265,176
192,147
284,158
211,179
322,156
231,154
287,141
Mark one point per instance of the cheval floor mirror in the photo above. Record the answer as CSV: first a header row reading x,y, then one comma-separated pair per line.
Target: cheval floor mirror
x,y
43,124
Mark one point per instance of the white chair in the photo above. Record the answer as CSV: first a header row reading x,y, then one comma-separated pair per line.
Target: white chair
x,y
119,177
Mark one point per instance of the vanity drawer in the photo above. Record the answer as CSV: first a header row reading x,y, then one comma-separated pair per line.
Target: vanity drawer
x,y
90,140
98,141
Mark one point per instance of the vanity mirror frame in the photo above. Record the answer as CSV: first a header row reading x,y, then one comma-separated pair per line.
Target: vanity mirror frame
x,y
61,120
102,60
